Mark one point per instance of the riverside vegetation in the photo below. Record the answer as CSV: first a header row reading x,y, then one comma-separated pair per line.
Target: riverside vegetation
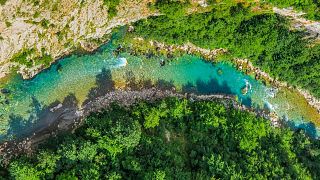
x,y
172,139
263,38
182,139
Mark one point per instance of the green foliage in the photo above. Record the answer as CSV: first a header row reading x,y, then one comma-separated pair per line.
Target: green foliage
x,y
36,14
46,59
265,39
23,170
191,140
2,2
112,7
8,24
311,7
45,23
152,117
23,57
114,134
172,8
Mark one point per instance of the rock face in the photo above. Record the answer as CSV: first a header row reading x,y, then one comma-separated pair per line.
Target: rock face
x,y
55,28
313,27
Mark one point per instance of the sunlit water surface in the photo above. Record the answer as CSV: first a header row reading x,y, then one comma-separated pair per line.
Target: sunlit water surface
x,y
78,74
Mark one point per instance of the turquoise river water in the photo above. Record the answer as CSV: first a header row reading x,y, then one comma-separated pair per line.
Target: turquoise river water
x,y
79,75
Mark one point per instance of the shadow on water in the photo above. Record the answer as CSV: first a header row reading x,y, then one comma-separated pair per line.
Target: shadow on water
x,y
134,84
309,128
200,87
164,85
41,117
213,87
18,125
210,87
104,84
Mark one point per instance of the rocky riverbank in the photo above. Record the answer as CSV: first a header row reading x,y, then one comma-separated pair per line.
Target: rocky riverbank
x,y
246,66
66,118
140,46
189,48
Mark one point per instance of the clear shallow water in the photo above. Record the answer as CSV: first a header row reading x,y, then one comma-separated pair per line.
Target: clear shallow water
x,y
87,76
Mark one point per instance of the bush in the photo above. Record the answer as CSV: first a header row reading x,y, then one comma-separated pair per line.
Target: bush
x,y
112,7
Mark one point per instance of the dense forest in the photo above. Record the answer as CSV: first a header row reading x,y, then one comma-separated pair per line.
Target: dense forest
x,y
172,139
264,38
185,139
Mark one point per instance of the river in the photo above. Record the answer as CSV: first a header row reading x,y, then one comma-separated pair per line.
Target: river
x,y
84,77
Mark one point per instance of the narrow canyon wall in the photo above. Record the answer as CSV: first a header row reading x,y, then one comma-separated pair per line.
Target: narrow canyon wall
x,y
55,28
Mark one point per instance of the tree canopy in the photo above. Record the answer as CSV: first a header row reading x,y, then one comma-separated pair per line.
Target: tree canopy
x,y
173,139
263,38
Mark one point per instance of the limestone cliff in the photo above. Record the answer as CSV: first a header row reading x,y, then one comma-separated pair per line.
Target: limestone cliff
x,y
33,33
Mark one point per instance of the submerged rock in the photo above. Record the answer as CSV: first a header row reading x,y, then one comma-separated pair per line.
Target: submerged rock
x,y
244,90
220,72
6,101
117,51
162,62
169,55
5,91
59,67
